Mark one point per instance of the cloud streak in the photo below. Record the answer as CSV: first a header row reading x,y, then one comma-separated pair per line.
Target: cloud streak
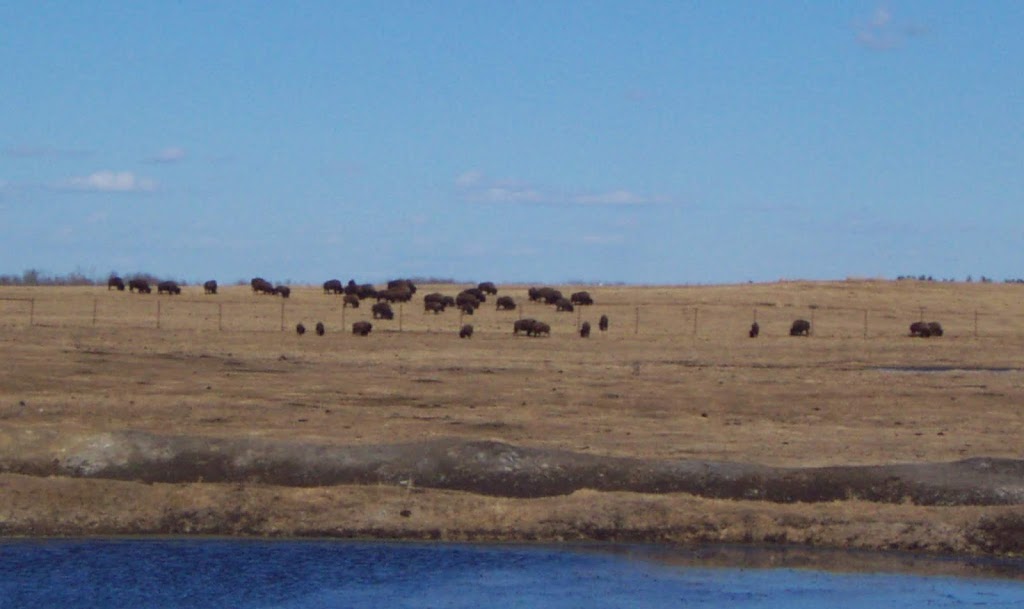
x,y
110,181
476,187
882,32
172,154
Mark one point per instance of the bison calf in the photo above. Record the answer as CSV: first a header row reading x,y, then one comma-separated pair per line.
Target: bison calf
x,y
210,287
585,330
362,328
300,329
466,331
603,323
320,328
754,330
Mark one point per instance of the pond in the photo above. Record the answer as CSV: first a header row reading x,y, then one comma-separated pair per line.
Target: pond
x,y
219,573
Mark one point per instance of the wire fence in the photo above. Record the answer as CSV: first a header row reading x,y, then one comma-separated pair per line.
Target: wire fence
x,y
697,320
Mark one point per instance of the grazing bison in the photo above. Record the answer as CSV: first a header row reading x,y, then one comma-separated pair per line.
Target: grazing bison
x,y
581,298
505,303
487,287
382,310
524,325
467,308
563,304
754,330
402,284
603,323
926,329
401,293
283,290
433,306
541,328
477,293
362,328
169,287
333,286
115,282
585,330
320,328
300,329
350,300
800,327
210,287
548,295
262,286
466,331
365,291
139,285
467,298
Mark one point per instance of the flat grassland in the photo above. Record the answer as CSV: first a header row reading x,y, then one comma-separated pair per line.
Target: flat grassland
x,y
675,377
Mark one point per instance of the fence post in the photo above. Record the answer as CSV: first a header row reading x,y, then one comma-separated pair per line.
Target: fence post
x,y
636,322
755,315
32,312
865,323
401,308
95,304
282,315
920,314
695,310
812,320
220,316
975,323
157,314
579,311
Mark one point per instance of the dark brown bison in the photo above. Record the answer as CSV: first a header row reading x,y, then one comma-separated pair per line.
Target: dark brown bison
x,y
320,328
563,304
168,287
581,298
362,328
139,285
477,293
401,293
333,286
466,331
541,328
350,300
365,291
523,325
115,282
585,330
283,290
402,284
548,295
602,323
754,330
210,287
487,287
467,298
433,306
382,310
262,286
800,327
505,303
300,329
926,329
467,308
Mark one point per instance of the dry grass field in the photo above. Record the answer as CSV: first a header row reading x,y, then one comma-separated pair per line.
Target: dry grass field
x,y
675,377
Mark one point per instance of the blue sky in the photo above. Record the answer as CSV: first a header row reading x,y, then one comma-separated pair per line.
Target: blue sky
x,y
548,141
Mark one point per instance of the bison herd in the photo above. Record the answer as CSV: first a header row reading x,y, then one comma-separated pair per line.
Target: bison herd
x,y
466,302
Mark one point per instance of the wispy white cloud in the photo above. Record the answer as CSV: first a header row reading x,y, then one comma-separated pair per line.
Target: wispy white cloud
x,y
172,154
476,187
882,32
110,181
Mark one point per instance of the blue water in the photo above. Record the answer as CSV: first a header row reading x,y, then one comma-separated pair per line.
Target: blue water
x,y
302,574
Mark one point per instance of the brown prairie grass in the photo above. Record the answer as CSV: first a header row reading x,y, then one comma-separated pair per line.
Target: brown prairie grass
x,y
675,376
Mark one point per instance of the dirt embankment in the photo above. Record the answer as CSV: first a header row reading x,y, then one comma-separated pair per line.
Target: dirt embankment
x,y
142,483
